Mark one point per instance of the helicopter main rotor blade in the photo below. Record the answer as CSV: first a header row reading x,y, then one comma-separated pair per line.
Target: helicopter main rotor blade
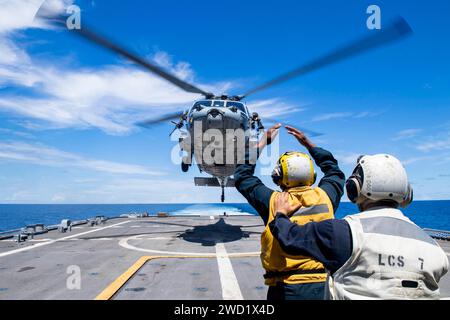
x,y
308,132
89,34
396,31
150,122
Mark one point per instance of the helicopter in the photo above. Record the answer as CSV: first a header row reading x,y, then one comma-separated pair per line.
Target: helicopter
x,y
223,112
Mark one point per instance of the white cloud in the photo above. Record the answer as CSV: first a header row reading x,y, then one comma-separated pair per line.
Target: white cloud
x,y
347,158
18,15
4,131
19,196
10,54
136,190
350,158
406,134
438,144
58,197
111,97
341,115
273,108
416,159
330,116
38,154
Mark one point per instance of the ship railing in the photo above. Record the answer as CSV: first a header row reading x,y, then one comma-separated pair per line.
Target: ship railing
x,y
39,228
9,234
438,234
66,224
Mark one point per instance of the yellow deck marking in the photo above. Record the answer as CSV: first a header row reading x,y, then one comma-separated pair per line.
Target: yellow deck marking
x,y
115,286
122,279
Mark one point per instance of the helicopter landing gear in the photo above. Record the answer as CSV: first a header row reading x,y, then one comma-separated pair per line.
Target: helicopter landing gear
x,y
186,161
184,167
222,182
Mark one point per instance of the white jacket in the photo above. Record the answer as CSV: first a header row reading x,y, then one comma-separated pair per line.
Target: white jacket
x,y
392,258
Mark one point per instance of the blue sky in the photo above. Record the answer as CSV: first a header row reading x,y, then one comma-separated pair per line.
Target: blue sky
x,y
67,108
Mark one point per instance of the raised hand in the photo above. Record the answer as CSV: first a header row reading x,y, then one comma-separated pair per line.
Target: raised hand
x,y
269,136
301,137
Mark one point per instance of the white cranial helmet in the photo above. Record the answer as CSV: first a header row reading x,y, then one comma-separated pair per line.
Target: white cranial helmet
x,y
379,177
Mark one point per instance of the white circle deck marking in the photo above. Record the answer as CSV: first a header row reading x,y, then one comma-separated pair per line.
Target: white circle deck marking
x,y
124,243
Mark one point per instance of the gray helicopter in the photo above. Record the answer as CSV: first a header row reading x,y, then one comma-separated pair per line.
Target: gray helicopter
x,y
223,112
219,115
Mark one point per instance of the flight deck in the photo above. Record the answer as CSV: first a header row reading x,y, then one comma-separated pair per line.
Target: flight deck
x,y
156,258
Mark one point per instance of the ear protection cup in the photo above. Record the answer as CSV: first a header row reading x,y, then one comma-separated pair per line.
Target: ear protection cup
x,y
277,175
409,198
353,189
354,184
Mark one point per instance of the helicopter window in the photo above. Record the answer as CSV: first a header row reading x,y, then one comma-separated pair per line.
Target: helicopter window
x,y
218,103
238,105
203,103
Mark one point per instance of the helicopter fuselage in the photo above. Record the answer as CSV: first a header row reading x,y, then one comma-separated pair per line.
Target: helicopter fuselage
x,y
216,134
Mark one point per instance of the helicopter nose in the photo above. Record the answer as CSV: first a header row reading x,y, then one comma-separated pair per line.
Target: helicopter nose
x,y
214,113
214,119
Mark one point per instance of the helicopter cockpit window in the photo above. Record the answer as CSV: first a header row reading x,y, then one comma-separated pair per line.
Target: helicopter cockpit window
x,y
218,104
200,105
238,105
203,103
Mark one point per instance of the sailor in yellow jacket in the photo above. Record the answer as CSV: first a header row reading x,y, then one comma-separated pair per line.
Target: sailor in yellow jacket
x,y
293,277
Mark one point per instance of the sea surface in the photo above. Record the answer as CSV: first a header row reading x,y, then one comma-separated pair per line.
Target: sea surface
x,y
427,214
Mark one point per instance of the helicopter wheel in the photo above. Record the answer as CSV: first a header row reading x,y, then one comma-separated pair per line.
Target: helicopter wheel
x,y
222,198
184,167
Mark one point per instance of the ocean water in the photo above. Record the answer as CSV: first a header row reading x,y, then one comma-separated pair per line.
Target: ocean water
x,y
427,214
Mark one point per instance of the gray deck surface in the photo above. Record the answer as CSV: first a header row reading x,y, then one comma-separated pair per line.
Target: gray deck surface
x,y
197,258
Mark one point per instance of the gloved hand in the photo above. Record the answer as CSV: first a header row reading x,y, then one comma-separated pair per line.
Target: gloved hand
x,y
269,136
301,137
282,204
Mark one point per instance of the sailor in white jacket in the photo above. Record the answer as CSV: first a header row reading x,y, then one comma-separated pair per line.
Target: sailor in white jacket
x,y
376,254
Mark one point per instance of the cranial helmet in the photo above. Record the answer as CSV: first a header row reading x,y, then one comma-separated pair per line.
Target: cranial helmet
x,y
294,169
379,177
